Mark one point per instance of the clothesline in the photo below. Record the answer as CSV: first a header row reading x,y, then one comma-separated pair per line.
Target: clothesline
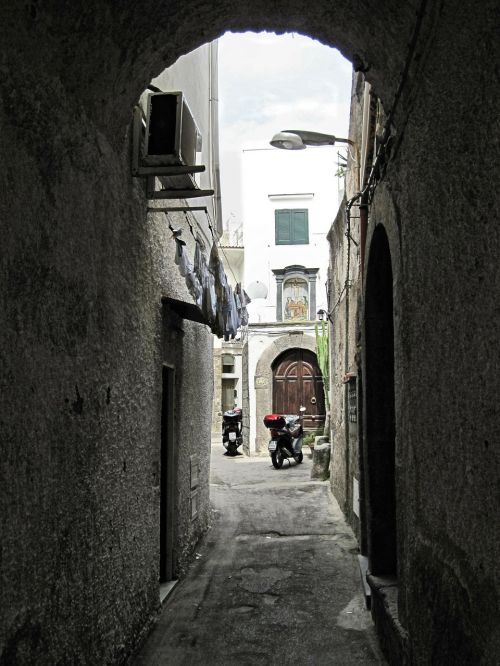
x,y
214,237
223,307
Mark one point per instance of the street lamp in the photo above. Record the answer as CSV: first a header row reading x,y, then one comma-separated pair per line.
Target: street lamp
x,y
323,315
300,139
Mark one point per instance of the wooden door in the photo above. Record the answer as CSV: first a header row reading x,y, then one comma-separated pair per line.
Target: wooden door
x,y
167,476
297,380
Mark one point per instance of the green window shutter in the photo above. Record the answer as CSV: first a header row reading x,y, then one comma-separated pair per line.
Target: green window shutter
x,y
282,227
291,227
300,227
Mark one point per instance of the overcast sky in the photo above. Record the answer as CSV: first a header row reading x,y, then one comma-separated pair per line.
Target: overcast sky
x,y
268,83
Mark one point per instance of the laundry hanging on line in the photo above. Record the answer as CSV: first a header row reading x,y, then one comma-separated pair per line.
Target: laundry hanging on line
x,y
223,308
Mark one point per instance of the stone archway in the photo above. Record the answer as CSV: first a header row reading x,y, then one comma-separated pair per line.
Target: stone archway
x,y
77,276
263,380
104,55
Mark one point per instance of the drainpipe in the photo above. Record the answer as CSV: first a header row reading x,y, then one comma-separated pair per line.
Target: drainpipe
x,y
363,225
346,362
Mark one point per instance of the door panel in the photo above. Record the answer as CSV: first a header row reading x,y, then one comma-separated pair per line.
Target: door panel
x,y
228,402
297,381
167,476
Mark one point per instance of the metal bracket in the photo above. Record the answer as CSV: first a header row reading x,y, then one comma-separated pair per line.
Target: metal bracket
x,y
178,194
176,209
150,172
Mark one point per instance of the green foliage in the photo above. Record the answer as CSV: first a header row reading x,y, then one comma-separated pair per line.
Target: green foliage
x,y
310,436
322,354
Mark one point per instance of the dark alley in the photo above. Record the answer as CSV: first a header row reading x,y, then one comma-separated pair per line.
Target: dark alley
x,y
136,311
275,580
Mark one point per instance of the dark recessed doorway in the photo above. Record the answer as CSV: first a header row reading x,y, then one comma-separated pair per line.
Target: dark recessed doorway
x,y
379,409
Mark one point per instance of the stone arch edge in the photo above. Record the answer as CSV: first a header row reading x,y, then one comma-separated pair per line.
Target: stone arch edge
x,y
385,214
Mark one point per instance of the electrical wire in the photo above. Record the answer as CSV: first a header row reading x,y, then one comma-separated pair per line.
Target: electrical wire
x,y
377,170
211,227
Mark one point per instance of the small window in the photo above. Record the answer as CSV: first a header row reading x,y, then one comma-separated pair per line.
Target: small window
x,y
227,363
291,226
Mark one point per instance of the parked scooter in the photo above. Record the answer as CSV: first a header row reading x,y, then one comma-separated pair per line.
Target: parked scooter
x,y
231,431
287,435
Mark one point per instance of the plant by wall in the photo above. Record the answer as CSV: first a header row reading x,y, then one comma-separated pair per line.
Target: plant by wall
x,y
321,330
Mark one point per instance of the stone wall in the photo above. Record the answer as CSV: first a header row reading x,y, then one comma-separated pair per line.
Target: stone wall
x,y
192,434
435,214
84,272
217,403
345,332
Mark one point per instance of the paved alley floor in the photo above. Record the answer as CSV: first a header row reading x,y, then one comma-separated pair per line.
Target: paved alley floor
x,y
275,581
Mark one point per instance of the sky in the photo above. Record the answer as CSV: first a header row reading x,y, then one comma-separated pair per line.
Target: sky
x,y
268,83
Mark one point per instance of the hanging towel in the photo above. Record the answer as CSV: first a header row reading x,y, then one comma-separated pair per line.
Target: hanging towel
x,y
244,301
181,258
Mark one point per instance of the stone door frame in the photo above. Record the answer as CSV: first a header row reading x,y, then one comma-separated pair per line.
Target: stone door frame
x,y
263,379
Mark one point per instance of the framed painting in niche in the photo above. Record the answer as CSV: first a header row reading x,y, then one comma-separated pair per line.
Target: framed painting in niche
x,y
295,300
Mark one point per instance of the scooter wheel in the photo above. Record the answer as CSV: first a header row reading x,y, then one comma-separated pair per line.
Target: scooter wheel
x,y
299,457
232,450
277,459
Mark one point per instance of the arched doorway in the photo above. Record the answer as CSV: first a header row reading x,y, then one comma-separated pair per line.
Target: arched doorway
x,y
297,381
379,409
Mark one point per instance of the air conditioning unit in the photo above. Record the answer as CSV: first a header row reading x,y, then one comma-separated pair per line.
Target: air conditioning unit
x,y
172,137
166,146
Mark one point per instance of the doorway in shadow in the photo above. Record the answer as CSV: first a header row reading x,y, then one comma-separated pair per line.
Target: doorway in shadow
x,y
379,450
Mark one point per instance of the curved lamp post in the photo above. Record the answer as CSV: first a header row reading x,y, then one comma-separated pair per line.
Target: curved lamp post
x,y
300,139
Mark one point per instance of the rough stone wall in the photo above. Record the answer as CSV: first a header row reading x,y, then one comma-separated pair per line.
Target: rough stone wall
x,y
344,294
344,353
337,359
195,393
217,403
245,404
83,272
80,314
447,282
81,399
80,358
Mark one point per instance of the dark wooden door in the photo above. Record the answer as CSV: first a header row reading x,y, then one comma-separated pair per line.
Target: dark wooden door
x,y
297,380
167,477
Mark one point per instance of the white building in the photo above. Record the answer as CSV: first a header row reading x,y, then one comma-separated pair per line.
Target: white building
x,y
289,201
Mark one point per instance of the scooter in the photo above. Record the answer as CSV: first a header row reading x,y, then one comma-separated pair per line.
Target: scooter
x,y
287,435
231,431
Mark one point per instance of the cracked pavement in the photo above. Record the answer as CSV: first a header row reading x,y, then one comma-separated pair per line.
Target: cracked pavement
x,y
275,580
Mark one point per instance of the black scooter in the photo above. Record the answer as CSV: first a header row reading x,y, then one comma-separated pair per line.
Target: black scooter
x,y
287,435
231,431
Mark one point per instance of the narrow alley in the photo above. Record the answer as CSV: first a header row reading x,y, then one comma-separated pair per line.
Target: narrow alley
x,y
275,580
181,239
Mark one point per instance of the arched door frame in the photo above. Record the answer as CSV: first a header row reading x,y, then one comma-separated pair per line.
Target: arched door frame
x,y
298,381
391,231
263,379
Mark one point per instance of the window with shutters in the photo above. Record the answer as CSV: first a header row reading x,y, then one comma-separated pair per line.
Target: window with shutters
x,y
291,226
